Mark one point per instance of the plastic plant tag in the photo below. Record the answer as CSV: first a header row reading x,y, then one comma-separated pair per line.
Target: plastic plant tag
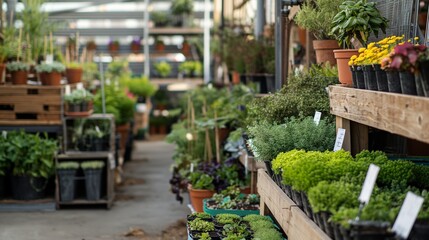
x,y
49,59
192,167
68,90
97,129
4,134
369,183
407,215
79,85
226,199
246,164
340,139
317,117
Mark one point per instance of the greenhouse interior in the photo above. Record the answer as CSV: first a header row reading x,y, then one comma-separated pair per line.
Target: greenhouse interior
x,y
214,119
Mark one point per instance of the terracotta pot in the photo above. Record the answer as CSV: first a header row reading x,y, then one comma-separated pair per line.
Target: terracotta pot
x,y
53,78
325,51
235,77
123,130
159,47
113,49
186,49
19,77
2,72
135,48
197,197
74,75
343,57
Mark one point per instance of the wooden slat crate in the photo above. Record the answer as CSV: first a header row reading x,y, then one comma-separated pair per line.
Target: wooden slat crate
x,y
31,105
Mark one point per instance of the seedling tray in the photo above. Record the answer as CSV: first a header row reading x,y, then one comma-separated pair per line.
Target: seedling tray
x,y
215,212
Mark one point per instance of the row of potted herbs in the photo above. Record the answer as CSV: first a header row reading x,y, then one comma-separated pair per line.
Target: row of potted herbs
x,y
326,185
231,227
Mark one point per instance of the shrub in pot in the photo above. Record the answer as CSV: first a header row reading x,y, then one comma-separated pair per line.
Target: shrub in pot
x,y
93,171
353,25
66,172
113,47
316,16
32,160
50,73
141,87
181,10
201,187
79,101
191,68
19,72
160,19
96,139
136,46
163,69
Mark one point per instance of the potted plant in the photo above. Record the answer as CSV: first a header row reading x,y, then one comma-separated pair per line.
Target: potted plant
x,y
159,45
231,200
96,139
19,72
352,26
181,10
50,73
79,101
74,72
32,160
113,47
136,46
66,172
7,49
91,45
191,68
160,19
316,16
200,187
141,87
93,171
163,69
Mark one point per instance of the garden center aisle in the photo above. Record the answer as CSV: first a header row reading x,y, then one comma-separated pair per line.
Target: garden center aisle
x,y
144,202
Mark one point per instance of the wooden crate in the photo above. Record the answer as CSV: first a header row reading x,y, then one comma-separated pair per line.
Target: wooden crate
x,y
291,219
31,105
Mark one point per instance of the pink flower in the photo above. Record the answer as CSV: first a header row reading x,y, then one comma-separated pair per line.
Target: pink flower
x,y
396,62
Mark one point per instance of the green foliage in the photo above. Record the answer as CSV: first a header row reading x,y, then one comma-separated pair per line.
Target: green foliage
x,y
232,198
329,197
92,165
90,73
50,67
9,45
396,172
17,66
421,179
31,155
303,95
268,234
260,224
179,7
269,140
201,225
316,16
235,230
159,18
201,181
227,218
201,215
357,19
68,165
191,68
74,65
253,57
163,68
141,87
254,218
5,149
205,236
117,70
78,96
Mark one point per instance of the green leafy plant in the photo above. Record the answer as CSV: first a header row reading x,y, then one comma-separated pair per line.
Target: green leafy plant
x,y
201,215
235,229
201,181
357,20
17,66
5,162
74,65
92,164
268,234
179,7
9,45
227,218
68,165
254,218
78,96
163,68
201,225
117,70
160,18
260,224
141,87
329,197
317,15
50,67
205,236
190,68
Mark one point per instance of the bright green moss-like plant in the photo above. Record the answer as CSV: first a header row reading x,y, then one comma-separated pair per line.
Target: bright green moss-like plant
x,y
92,165
68,165
201,225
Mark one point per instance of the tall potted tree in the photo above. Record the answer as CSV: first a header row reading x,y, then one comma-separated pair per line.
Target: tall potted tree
x,y
352,27
316,16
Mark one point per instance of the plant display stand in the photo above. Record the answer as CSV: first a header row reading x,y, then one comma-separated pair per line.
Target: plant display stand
x,y
252,166
291,219
31,105
107,183
357,109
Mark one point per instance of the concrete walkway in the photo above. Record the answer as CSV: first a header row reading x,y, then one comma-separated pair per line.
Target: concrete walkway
x,y
143,202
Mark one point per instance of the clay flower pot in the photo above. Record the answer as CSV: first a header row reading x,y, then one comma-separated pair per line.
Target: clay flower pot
x,y
197,196
74,75
343,57
19,77
53,78
325,51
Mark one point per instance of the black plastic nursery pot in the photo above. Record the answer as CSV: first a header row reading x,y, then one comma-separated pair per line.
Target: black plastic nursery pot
x,y
28,188
327,225
306,205
370,230
370,77
93,184
317,218
381,77
393,82
337,231
420,230
424,76
269,170
360,80
197,234
67,184
419,85
408,83
352,69
74,107
296,197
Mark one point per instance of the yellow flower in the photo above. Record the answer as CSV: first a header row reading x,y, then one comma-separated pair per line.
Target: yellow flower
x,y
353,57
371,45
350,62
361,50
416,38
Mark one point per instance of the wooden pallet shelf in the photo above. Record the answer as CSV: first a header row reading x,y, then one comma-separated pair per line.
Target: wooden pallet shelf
x,y
400,114
291,219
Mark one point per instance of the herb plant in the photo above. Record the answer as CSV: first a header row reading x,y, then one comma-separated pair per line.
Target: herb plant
x,y
50,67
92,165
201,225
17,66
68,165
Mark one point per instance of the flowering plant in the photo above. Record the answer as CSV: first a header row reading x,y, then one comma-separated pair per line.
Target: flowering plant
x,y
376,51
404,57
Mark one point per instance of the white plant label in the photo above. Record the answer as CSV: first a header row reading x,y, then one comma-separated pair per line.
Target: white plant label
x,y
192,167
68,90
246,163
317,117
4,133
112,161
369,183
97,129
79,85
49,59
407,215
340,139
